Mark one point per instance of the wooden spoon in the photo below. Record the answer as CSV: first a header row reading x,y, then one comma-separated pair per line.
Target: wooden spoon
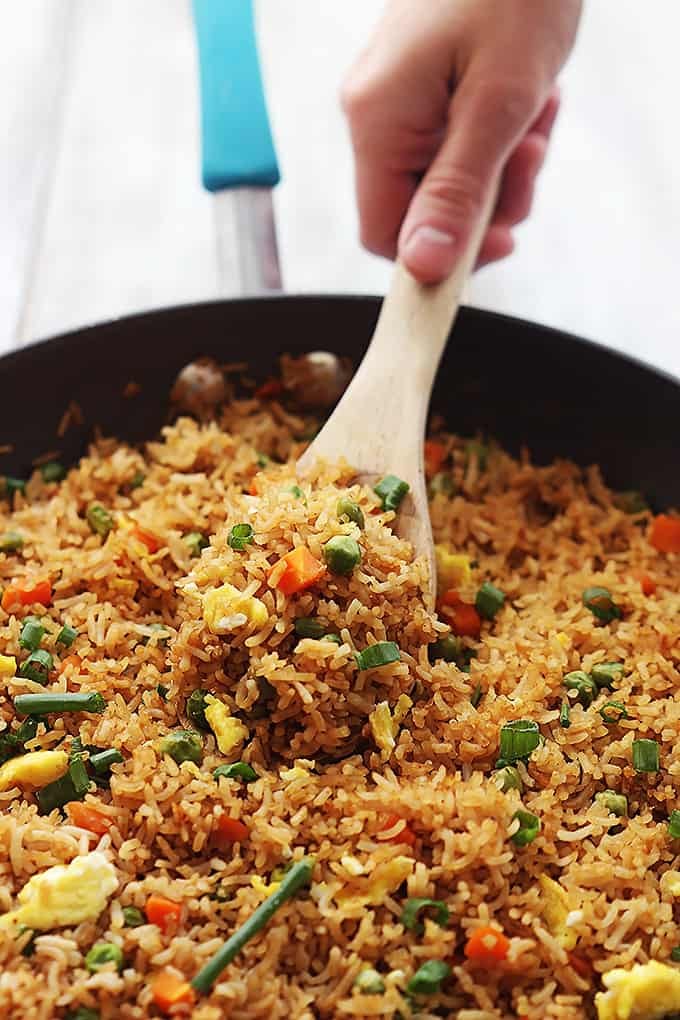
x,y
379,424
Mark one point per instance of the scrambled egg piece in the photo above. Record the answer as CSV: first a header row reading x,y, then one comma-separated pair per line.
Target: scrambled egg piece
x,y
384,880
300,770
670,883
262,887
648,991
555,912
35,769
385,724
65,894
8,665
229,732
563,639
453,569
226,609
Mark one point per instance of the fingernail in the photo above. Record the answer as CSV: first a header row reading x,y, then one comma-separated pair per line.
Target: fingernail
x,y
430,253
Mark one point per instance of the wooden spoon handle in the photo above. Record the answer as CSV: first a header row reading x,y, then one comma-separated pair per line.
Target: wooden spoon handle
x,y
378,424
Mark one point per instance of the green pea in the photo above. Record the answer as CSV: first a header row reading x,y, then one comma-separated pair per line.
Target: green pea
x,y
347,508
182,745
342,554
100,955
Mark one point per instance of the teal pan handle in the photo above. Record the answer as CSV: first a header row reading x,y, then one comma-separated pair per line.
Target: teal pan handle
x,y
238,150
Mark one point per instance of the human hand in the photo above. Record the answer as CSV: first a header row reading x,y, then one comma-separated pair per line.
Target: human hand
x,y
448,96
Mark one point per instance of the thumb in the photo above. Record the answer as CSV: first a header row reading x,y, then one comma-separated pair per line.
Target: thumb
x,y
486,121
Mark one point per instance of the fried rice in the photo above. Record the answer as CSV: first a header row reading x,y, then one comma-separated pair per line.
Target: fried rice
x,y
400,805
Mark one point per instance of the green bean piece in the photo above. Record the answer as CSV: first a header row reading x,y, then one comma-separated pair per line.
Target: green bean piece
x,y
100,520
606,674
382,653
646,756
347,509
61,701
342,554
102,954
299,875
476,696
101,761
489,600
182,745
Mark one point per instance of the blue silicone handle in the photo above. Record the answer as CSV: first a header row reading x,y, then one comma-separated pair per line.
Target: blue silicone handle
x,y
238,150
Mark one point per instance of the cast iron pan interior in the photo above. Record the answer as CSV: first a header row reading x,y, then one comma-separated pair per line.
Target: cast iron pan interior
x,y
516,381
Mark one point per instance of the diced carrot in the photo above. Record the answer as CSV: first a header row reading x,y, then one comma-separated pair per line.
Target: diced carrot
x,y
26,594
434,456
270,388
647,584
253,489
582,966
231,829
665,533
405,835
148,539
450,598
169,990
73,662
87,817
162,911
295,571
464,619
487,945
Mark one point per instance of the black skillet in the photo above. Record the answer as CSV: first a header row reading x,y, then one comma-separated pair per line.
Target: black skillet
x,y
519,382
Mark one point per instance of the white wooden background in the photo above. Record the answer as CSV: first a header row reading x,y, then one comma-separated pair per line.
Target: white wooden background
x,y
101,211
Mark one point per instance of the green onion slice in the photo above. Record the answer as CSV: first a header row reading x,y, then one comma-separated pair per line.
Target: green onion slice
x,y
606,674
13,485
646,756
32,633
565,721
62,701
100,520
674,825
585,686
615,803
66,636
101,761
37,666
196,542
529,828
415,908
240,536
195,709
675,954
11,541
237,770
476,696
53,471
428,978
380,654
612,717
308,627
71,786
601,604
299,875
508,778
369,982
518,740
391,491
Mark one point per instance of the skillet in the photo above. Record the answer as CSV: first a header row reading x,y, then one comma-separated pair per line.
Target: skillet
x,y
521,383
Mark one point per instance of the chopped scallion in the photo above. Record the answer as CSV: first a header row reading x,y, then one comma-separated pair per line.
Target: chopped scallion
x,y
613,712
237,770
195,708
162,691
614,803
565,721
585,686
675,954
182,745
391,491
674,825
630,501
529,828
72,786
308,627
335,638
508,778
240,536
518,740
32,633
37,666
195,542
646,756
66,636
476,696
13,485
299,875
369,982
101,761
601,604
11,541
606,674
428,978
415,908
59,701
100,520
380,654
53,471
